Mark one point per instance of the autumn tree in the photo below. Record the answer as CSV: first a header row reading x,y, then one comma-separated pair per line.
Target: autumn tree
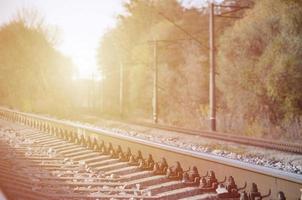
x,y
260,68
181,36
131,43
34,76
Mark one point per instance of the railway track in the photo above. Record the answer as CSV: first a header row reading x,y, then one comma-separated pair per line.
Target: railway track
x,y
42,158
265,143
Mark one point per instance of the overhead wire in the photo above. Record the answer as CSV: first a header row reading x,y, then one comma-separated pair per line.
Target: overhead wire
x,y
179,27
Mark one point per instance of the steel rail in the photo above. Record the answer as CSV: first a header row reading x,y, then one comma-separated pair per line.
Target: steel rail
x,y
231,137
267,178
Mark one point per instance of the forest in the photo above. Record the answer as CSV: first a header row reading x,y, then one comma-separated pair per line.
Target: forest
x,y
34,76
259,71
258,58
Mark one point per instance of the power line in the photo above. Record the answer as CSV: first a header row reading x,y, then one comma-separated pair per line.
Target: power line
x,y
179,27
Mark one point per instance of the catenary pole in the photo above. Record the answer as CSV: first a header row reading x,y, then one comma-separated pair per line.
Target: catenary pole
x,y
212,69
121,99
155,79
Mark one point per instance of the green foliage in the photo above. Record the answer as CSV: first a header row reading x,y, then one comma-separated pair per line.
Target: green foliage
x,y
182,66
260,66
33,75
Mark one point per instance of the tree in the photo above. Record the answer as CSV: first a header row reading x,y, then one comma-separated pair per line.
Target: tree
x,y
261,75
34,76
182,60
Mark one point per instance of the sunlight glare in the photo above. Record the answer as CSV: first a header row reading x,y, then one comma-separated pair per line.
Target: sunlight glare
x,y
88,72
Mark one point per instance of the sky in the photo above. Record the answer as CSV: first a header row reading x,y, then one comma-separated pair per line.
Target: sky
x,y
81,24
